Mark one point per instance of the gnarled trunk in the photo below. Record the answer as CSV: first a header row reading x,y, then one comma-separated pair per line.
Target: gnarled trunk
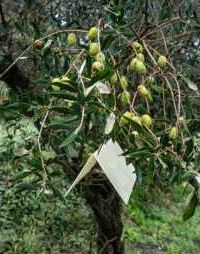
x,y
107,208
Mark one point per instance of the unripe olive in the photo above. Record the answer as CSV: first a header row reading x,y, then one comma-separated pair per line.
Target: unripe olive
x,y
56,50
100,57
54,87
135,133
173,133
93,33
142,90
136,119
125,97
55,80
162,60
96,66
64,78
128,114
133,64
38,44
140,67
181,119
150,81
140,57
138,47
149,97
60,53
123,82
71,39
124,120
113,78
147,120
69,103
94,48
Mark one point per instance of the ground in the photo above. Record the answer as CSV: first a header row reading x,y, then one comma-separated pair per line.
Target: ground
x,y
152,224
155,225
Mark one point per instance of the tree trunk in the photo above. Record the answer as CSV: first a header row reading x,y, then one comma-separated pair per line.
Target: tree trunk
x,y
107,208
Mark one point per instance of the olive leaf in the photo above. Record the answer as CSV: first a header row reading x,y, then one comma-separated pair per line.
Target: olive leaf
x,y
70,138
101,87
191,205
110,122
190,84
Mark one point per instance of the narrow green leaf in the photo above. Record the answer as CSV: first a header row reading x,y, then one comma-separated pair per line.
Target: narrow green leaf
x,y
189,149
18,105
20,175
191,84
164,140
25,187
135,125
147,152
151,170
63,123
65,85
61,109
101,75
106,42
70,138
191,206
64,96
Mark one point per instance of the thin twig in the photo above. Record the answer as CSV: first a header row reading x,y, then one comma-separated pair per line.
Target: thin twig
x,y
63,31
15,61
32,44
113,86
149,53
167,81
148,108
133,101
166,23
179,97
82,118
171,65
39,145
166,48
73,63
120,34
81,79
172,94
164,108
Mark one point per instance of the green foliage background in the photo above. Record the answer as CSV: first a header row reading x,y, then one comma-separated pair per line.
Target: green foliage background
x,y
35,215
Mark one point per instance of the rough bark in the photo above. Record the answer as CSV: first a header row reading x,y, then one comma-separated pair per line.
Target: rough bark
x,y
105,204
107,208
13,77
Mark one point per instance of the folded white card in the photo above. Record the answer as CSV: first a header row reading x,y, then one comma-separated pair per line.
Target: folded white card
x,y
113,164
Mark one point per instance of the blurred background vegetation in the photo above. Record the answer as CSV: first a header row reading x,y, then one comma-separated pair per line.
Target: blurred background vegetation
x,y
37,220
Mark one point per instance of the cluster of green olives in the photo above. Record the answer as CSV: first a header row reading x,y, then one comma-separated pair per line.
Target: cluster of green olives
x,y
137,64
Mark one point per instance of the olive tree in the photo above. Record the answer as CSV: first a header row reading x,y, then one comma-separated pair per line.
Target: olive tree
x,y
128,78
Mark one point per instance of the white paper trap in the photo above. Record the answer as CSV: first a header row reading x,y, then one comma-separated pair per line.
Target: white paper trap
x,y
113,164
